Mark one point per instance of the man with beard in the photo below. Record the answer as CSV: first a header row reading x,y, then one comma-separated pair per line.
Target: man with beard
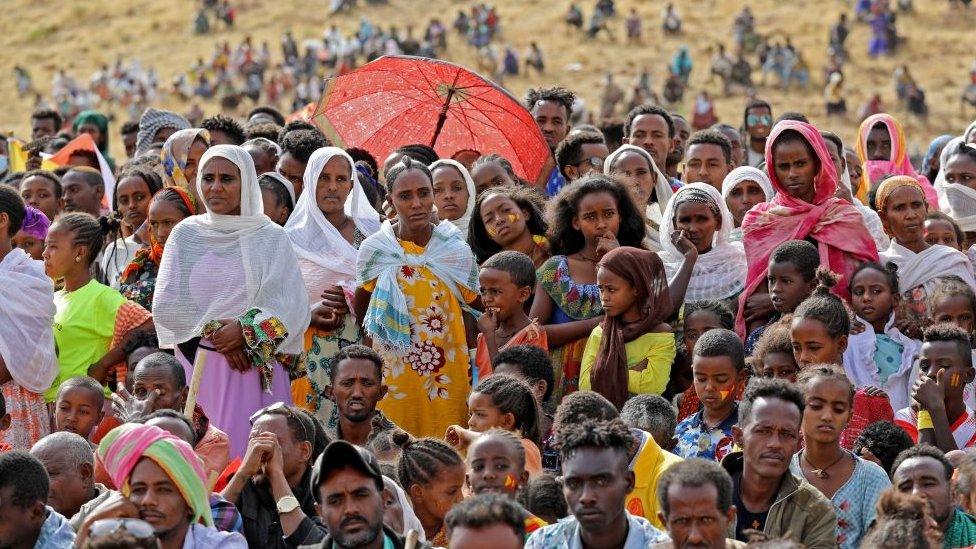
x,y
696,505
767,497
551,109
758,122
924,471
356,388
682,131
348,489
596,481
272,487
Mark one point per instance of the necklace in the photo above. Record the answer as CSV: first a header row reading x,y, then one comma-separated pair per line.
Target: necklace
x,y
584,258
822,473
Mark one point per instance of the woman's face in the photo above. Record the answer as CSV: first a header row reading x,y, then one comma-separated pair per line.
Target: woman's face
x,y
635,167
743,196
334,185
60,252
221,186
163,216
491,174
450,193
796,169
505,221
699,222
443,492
904,214
412,196
827,411
132,196
38,192
33,246
940,231
812,344
197,148
960,169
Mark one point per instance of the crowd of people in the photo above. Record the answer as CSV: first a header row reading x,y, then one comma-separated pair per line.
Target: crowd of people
x,y
694,334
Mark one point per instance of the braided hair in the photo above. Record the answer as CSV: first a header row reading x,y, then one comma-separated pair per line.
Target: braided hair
x,y
170,195
825,306
514,396
421,460
405,164
86,231
509,438
888,270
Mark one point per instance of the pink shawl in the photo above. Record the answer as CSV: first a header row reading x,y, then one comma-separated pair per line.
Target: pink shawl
x,y
834,224
898,164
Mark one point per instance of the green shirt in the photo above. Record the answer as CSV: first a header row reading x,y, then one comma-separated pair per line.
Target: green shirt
x,y
83,327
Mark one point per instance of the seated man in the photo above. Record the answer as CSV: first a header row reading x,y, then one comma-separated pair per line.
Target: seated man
x,y
488,521
348,488
596,482
165,486
923,470
25,518
696,505
356,386
70,465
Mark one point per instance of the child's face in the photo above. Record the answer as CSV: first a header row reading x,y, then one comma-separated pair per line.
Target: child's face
x,y
715,379
940,231
871,296
60,253
947,358
539,386
827,411
956,309
442,493
813,345
787,288
780,365
597,216
696,324
617,295
483,414
504,220
77,411
493,468
498,292
33,246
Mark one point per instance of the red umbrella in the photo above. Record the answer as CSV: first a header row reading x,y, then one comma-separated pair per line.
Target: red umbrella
x,y
397,100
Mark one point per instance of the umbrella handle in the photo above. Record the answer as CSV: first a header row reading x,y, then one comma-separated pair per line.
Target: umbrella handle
x,y
191,397
442,118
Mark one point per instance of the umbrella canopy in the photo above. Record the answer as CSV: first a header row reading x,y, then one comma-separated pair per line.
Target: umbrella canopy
x,y
398,100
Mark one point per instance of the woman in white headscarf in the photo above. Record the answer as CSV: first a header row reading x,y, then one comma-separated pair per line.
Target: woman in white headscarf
x,y
454,193
742,189
230,297
333,216
720,272
649,185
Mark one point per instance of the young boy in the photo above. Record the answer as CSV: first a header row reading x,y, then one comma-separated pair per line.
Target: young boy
x,y
945,367
792,278
718,365
78,407
507,279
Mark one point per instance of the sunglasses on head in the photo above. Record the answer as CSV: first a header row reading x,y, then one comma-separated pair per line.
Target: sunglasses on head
x,y
138,529
283,409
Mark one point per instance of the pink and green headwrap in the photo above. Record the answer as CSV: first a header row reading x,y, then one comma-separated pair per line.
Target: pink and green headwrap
x,y
123,447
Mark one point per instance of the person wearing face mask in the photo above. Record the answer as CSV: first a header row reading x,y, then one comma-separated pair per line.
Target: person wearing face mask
x,y
881,147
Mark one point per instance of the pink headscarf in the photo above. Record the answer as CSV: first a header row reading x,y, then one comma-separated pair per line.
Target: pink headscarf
x,y
835,225
898,162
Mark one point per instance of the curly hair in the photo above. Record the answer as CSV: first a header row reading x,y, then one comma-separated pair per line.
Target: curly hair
x,y
556,94
569,150
564,239
648,109
226,125
302,143
582,405
26,475
923,451
526,198
885,440
768,388
950,333
775,339
612,435
532,363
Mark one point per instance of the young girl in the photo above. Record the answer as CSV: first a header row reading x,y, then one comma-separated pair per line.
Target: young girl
x,y
32,233
454,193
413,278
954,301
92,320
942,229
588,218
509,218
507,403
773,354
26,314
493,170
167,208
432,474
42,189
791,278
699,318
881,355
819,333
133,192
851,483
632,350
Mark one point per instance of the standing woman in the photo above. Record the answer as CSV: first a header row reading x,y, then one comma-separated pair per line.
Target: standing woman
x,y
414,277
454,193
133,193
650,187
167,208
181,156
332,218
720,272
742,189
26,315
230,297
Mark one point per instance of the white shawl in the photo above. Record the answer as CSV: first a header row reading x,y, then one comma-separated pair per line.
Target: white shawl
x,y
662,186
719,273
738,175
221,266
325,256
26,316
926,268
462,222
862,370
957,200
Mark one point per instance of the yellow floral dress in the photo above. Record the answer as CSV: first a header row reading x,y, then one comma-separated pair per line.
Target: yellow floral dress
x,y
430,383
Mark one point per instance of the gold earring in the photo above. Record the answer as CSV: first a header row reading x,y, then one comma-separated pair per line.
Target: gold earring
x,y
78,259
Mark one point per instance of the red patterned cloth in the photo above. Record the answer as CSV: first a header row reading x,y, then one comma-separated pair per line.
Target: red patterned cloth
x,y
867,410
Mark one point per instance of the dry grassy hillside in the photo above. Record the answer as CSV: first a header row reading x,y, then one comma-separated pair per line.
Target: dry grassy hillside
x,y
80,35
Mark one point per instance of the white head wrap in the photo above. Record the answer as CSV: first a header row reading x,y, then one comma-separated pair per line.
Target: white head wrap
x,y
26,315
325,256
410,520
284,182
221,266
748,173
959,201
463,221
662,186
719,273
